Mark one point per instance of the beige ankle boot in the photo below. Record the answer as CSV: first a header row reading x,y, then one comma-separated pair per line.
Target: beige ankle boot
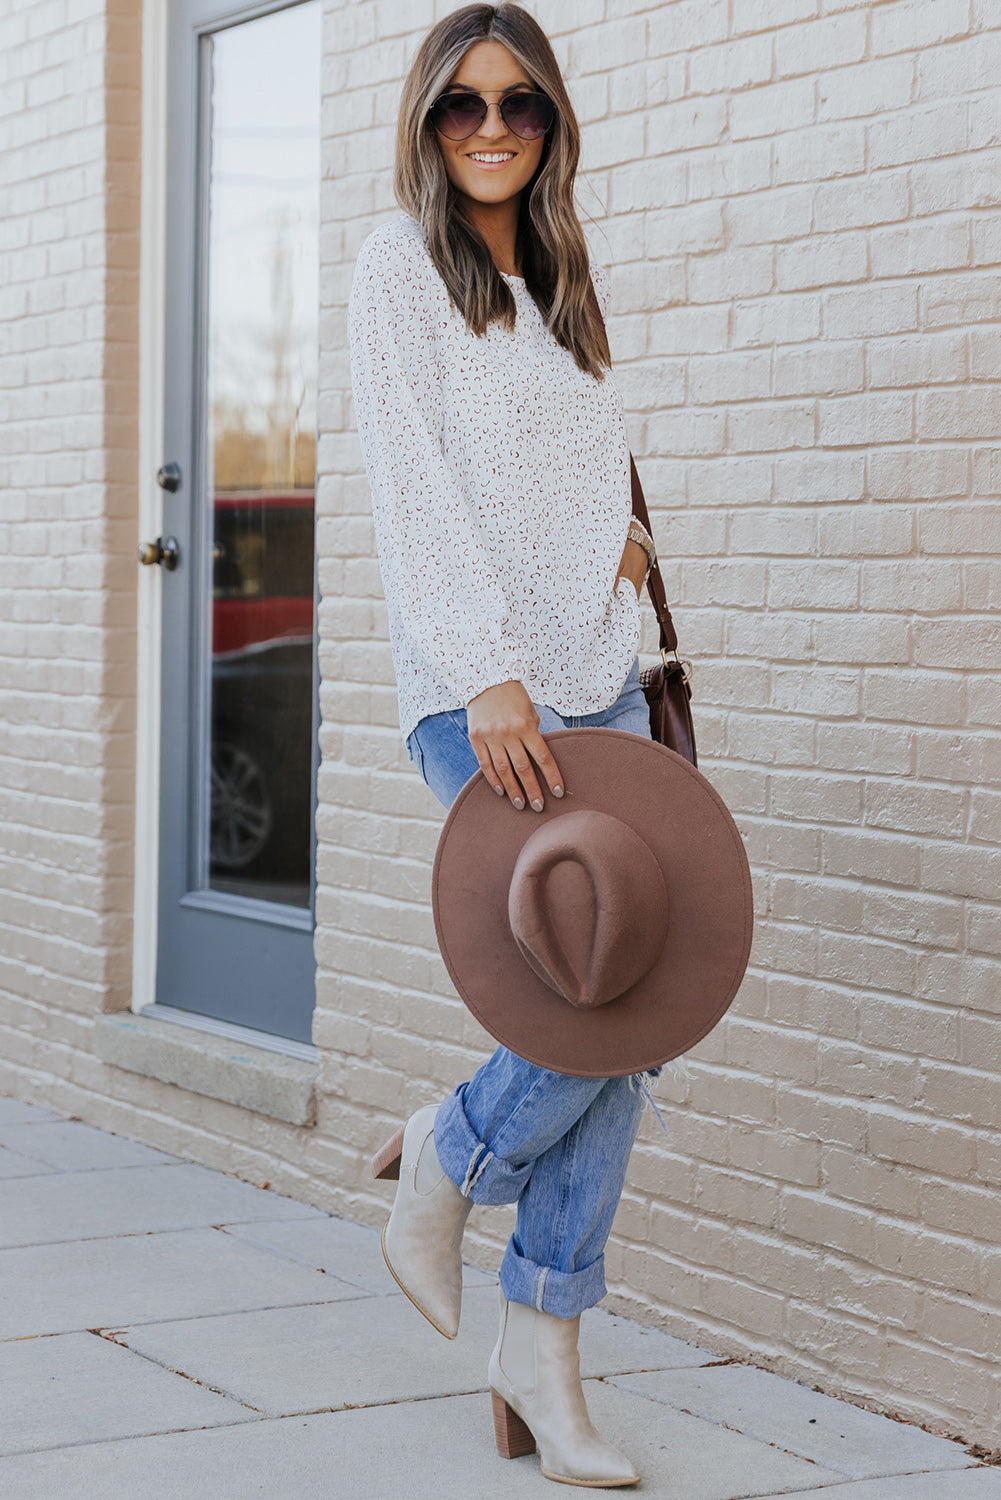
x,y
538,1399
422,1240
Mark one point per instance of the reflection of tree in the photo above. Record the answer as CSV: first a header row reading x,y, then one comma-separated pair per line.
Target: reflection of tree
x,y
244,454
261,444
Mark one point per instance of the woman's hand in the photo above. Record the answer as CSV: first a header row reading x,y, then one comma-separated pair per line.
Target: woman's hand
x,y
633,565
504,732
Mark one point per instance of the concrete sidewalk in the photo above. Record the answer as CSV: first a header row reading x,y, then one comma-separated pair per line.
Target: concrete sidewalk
x,y
168,1331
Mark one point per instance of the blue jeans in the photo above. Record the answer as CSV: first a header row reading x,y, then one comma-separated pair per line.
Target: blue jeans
x,y
558,1146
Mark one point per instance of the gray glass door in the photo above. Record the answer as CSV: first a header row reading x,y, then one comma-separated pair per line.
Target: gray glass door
x,y
238,753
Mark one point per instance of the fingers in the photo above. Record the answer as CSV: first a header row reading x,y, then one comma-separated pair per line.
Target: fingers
x,y
546,762
521,764
503,727
510,770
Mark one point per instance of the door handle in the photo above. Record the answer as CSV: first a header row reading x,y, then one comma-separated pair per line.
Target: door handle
x,y
165,550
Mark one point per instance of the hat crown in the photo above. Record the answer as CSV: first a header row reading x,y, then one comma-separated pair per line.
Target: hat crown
x,y
588,906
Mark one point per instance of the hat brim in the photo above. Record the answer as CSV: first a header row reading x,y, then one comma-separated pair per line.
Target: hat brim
x,y
710,920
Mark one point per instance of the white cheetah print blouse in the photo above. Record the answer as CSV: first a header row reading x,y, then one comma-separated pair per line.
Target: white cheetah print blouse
x,y
499,473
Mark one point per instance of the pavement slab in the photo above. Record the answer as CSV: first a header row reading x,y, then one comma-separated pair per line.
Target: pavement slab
x,y
71,1146
13,1164
413,1450
860,1444
13,1112
351,1252
81,1388
977,1483
347,1354
144,1278
132,1200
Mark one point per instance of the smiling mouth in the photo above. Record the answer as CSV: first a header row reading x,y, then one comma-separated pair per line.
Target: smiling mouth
x,y
491,159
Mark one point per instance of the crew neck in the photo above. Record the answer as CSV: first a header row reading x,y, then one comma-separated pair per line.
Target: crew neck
x,y
510,276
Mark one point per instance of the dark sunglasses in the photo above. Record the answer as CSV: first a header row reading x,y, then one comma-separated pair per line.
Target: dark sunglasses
x,y
460,115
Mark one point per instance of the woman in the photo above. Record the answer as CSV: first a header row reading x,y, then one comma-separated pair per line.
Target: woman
x,y
496,451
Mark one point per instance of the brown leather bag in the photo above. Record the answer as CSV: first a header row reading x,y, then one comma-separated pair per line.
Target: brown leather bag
x,y
667,687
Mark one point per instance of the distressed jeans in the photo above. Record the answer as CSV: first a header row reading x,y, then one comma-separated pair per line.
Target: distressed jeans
x,y
558,1146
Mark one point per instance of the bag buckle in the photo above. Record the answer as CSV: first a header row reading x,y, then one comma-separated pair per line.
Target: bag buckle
x,y
686,666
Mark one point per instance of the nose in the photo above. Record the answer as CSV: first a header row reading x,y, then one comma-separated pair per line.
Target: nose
x,y
493,126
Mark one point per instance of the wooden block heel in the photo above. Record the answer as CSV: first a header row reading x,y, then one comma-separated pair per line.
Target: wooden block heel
x,y
386,1163
514,1437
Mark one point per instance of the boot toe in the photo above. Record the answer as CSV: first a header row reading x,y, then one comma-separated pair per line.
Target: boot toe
x,y
612,1471
422,1240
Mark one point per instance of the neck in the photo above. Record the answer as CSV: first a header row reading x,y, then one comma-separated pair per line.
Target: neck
x,y
497,225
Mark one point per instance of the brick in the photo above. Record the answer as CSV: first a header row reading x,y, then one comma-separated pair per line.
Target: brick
x,y
880,198
820,152
961,870
983,928
959,298
772,427
819,478
747,15
731,167
967,758
687,25
818,369
767,218
689,123
817,45
820,1220
924,359
792,318
865,420
730,66
729,377
864,88
730,274
884,1187
954,1322
974,412
958,69
936,643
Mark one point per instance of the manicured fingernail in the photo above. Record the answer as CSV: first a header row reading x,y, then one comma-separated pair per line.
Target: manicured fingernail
x,y
518,803
537,804
499,790
557,791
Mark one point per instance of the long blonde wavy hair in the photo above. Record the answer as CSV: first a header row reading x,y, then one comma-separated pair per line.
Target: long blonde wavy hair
x,y
553,251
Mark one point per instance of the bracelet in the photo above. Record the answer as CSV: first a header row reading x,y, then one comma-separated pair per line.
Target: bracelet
x,y
638,533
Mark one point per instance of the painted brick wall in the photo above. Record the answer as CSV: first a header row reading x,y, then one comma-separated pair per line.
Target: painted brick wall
x,y
800,203
68,372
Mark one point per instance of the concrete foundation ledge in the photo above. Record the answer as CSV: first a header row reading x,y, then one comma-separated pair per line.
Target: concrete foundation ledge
x,y
253,1077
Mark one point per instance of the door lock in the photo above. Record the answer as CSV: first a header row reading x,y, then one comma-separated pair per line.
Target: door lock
x,y
168,477
165,550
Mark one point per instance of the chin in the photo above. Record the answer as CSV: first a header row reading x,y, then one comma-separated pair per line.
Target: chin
x,y
481,192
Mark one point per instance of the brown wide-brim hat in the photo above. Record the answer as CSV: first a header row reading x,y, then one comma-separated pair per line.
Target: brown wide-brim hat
x,y
608,933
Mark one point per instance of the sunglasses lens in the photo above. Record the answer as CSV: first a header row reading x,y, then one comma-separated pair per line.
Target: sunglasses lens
x,y
457,115
528,115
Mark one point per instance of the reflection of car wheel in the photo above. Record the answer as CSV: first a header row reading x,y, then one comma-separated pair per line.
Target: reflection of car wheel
x,y
241,808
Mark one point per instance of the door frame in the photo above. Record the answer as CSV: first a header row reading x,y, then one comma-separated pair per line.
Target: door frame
x,y
152,301
152,304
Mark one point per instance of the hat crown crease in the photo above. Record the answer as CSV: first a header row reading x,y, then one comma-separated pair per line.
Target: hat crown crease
x,y
588,906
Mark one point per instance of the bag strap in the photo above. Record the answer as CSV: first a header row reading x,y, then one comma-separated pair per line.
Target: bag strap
x,y
654,583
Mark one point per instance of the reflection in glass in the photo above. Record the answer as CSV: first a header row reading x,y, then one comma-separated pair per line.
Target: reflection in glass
x,y
263,202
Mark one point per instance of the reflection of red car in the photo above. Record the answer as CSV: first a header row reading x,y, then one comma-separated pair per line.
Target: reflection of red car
x,y
263,570
262,685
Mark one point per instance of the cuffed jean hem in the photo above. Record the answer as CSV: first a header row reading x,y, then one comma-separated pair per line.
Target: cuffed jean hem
x,y
562,1293
476,1172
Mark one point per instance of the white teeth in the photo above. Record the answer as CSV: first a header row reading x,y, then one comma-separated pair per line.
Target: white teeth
x,y
483,156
